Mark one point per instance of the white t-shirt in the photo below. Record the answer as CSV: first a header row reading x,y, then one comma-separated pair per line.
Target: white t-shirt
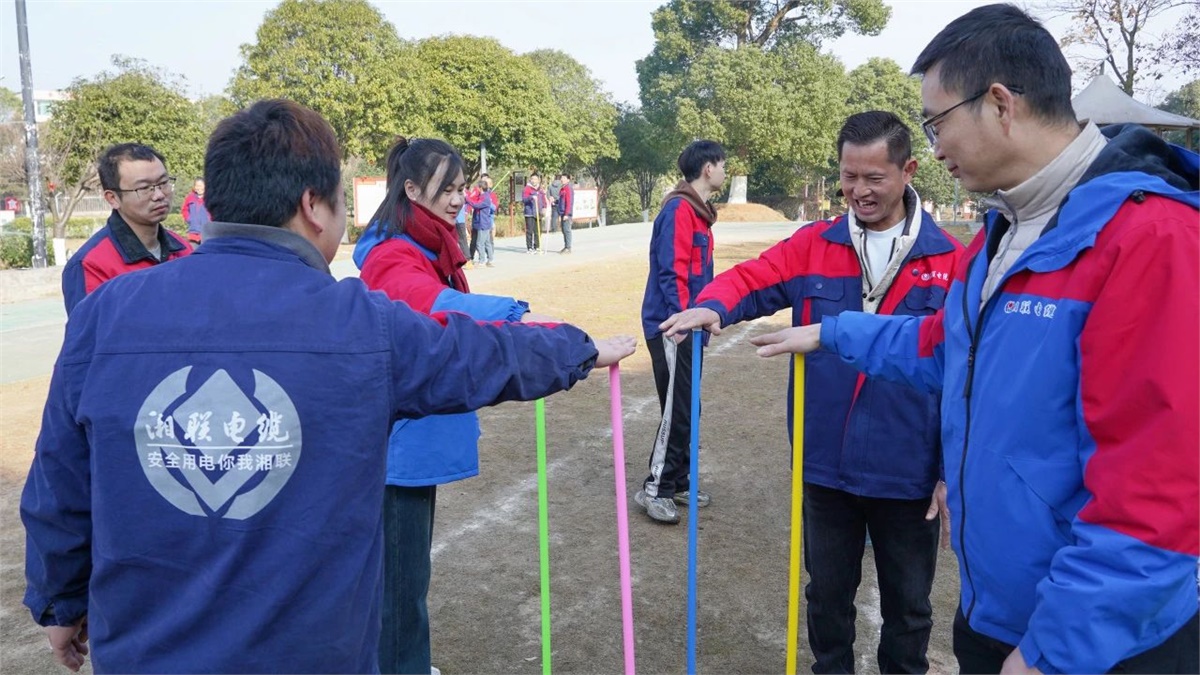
x,y
879,249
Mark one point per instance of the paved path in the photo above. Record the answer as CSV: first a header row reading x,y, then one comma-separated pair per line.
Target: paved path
x,y
31,331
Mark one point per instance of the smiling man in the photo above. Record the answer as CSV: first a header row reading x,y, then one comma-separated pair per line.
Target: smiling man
x,y
871,453
1066,356
136,184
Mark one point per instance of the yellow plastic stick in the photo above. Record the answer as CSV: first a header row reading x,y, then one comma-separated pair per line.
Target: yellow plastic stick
x,y
793,629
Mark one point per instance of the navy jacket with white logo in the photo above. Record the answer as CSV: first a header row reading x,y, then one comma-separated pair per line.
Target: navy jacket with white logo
x,y
208,482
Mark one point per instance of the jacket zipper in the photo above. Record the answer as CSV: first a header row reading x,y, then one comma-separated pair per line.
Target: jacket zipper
x,y
972,338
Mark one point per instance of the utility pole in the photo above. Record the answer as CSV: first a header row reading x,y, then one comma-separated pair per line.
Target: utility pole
x,y
32,166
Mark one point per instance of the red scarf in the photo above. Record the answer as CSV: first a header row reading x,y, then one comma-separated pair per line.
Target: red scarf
x,y
438,236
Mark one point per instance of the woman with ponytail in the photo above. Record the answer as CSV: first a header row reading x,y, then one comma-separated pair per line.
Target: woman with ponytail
x,y
410,251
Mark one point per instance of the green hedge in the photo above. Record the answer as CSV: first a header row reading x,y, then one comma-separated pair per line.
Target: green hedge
x,y
82,228
16,251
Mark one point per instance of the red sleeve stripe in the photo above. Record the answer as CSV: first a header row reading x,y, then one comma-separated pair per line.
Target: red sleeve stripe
x,y
682,243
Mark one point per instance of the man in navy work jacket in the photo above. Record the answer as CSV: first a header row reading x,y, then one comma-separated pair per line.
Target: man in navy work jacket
x,y
207,490
871,457
1068,359
136,184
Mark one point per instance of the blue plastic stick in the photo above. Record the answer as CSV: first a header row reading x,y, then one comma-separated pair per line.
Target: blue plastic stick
x,y
693,490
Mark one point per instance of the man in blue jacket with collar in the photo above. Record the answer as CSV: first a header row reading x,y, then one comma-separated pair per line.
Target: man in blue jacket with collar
x,y
871,458
1067,360
207,490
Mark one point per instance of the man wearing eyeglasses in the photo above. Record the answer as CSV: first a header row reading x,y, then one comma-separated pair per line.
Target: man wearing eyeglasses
x,y
1068,358
136,184
871,450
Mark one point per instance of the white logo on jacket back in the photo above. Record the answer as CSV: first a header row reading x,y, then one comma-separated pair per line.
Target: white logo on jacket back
x,y
217,450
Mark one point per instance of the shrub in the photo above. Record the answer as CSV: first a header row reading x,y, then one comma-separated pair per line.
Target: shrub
x,y
16,251
77,228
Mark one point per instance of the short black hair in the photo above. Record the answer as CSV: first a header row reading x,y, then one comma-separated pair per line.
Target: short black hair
x,y
108,165
866,128
1002,44
261,160
696,155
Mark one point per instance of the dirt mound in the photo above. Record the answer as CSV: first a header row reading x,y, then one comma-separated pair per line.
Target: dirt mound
x,y
749,213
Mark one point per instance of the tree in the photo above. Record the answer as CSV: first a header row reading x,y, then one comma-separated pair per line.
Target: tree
x,y
778,109
881,84
12,144
1183,101
480,92
589,112
1180,49
343,60
748,73
644,158
213,109
1115,33
135,103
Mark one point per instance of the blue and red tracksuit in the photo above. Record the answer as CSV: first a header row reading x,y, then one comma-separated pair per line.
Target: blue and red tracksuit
x,y
1069,413
114,250
195,214
681,263
566,201
888,445
483,206
534,200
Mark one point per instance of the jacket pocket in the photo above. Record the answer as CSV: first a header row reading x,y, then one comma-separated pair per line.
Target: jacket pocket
x,y
1057,483
924,301
825,297
700,247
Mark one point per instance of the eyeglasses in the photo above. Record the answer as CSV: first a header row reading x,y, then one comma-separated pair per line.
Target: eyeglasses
x,y
167,187
928,126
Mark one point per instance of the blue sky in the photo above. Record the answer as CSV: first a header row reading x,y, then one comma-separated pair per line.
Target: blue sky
x,y
199,39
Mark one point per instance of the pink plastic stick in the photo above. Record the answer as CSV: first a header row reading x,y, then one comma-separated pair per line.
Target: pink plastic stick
x,y
618,429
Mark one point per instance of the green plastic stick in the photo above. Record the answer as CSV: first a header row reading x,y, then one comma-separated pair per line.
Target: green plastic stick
x,y
543,532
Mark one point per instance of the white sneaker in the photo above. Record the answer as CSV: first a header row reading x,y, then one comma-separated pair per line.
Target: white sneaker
x,y
433,670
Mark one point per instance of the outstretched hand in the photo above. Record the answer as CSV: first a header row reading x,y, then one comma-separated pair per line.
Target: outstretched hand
x,y
691,319
611,350
795,340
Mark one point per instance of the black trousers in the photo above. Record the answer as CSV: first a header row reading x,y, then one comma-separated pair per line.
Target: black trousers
x,y
671,454
978,653
533,238
836,524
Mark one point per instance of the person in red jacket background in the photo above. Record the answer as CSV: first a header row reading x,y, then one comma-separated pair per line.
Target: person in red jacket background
x,y
194,213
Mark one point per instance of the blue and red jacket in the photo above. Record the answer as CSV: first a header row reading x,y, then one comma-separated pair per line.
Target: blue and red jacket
x,y
207,487
534,200
483,206
404,270
114,250
868,437
195,213
681,261
1069,426
566,200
